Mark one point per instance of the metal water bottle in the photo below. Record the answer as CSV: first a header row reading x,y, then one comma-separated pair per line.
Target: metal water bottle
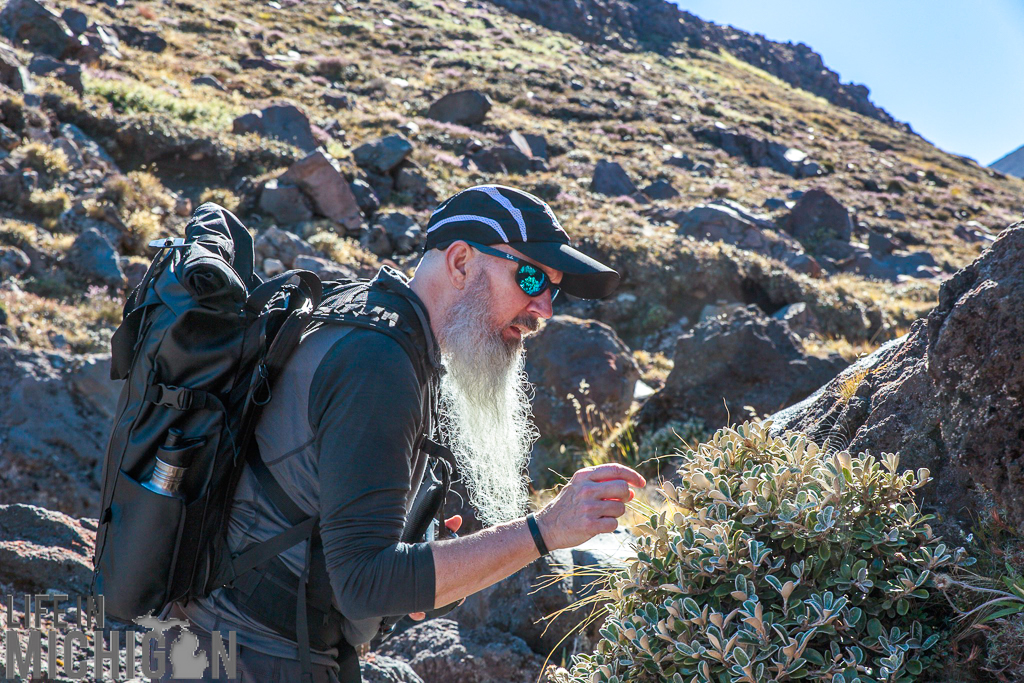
x,y
172,462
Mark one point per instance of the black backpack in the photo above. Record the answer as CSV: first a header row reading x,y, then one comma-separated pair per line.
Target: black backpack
x,y
200,345
201,340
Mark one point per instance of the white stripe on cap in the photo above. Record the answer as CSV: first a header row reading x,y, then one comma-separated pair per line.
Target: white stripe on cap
x,y
489,222
492,192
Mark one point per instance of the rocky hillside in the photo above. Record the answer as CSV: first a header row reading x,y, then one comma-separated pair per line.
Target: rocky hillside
x,y
1011,164
770,222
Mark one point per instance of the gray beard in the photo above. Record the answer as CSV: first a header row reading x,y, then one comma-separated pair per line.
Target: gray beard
x,y
485,406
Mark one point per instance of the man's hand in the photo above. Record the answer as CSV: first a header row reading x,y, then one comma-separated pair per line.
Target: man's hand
x,y
588,505
452,524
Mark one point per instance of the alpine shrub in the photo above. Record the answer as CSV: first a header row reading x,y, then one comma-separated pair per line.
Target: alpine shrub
x,y
776,561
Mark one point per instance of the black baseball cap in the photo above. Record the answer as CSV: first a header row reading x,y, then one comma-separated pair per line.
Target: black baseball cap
x,y
495,214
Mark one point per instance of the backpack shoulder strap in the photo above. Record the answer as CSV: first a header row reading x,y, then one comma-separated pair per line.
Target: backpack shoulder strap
x,y
372,305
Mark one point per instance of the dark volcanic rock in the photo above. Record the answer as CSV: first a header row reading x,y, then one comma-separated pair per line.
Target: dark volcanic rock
x,y
501,159
260,63
66,72
376,668
569,351
745,358
13,262
150,41
77,21
209,81
94,258
282,245
466,107
13,73
816,218
365,197
383,155
528,143
286,203
284,122
949,396
27,21
661,189
404,234
611,179
42,550
441,651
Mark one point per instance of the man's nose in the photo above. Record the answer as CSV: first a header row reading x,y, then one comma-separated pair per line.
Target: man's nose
x,y
540,306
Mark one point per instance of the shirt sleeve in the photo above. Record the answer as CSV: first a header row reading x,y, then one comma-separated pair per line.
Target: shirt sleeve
x,y
366,412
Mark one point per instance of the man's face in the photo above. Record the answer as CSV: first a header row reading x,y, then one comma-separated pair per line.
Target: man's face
x,y
515,313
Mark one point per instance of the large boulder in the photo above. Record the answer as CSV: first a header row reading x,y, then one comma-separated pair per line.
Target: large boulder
x,y
383,155
742,358
38,27
93,256
319,177
440,651
43,550
53,468
284,122
726,221
611,179
948,396
570,352
465,107
817,218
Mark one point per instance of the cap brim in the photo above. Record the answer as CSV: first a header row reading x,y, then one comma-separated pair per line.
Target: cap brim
x,y
583,277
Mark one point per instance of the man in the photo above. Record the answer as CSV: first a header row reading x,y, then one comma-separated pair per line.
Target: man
x,y
344,437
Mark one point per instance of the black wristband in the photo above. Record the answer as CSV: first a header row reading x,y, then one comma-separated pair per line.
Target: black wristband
x,y
538,540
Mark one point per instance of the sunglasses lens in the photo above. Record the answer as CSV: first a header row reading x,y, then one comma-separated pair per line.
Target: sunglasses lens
x,y
531,280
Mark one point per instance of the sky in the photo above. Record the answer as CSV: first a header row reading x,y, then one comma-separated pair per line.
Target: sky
x,y
952,69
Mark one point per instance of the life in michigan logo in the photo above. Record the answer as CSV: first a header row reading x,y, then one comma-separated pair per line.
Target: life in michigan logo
x,y
117,655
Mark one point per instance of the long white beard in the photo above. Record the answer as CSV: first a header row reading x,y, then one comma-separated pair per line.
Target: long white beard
x,y
485,406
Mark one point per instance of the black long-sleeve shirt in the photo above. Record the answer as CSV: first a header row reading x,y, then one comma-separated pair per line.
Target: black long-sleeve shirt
x,y
343,443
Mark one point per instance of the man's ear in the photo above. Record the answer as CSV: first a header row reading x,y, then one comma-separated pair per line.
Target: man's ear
x,y
456,261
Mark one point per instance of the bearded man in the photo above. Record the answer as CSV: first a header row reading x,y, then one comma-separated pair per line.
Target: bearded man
x,y
346,434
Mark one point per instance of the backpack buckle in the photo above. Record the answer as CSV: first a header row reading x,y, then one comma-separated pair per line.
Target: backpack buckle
x,y
180,398
167,243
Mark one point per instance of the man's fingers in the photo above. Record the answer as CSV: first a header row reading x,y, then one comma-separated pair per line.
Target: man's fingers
x,y
453,523
613,470
418,616
615,489
609,508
